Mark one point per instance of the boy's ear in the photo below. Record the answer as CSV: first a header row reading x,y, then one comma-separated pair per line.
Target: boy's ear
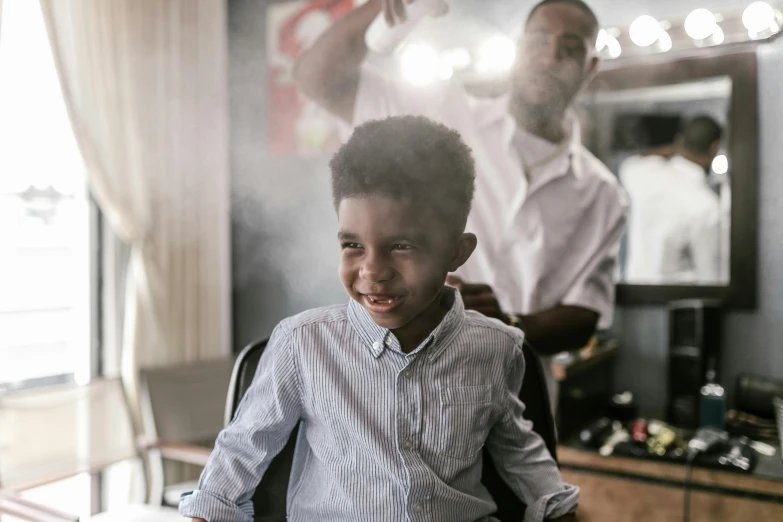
x,y
466,244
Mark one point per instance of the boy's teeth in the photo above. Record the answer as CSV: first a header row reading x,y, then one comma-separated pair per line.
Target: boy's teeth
x,y
381,300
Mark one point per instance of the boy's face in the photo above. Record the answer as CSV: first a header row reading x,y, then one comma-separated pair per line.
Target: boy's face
x,y
395,256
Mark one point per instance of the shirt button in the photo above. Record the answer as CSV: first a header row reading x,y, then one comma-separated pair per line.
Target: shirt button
x,y
376,345
418,507
407,444
408,374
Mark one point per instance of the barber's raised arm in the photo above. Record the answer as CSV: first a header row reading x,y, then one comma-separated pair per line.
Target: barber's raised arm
x,y
328,72
332,73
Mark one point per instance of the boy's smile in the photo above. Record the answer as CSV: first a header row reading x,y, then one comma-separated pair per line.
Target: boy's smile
x,y
395,257
382,304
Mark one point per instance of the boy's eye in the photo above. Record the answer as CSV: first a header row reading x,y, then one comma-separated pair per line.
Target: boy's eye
x,y
402,246
351,245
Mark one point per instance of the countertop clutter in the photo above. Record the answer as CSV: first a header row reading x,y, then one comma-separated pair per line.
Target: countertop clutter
x,y
636,470
657,441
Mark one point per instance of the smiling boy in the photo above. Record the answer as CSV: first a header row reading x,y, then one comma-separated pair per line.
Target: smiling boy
x,y
399,390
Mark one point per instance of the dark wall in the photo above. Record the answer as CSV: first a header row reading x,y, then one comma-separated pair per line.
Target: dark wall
x,y
285,254
284,246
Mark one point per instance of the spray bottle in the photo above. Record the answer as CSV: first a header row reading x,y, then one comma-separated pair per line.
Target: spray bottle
x,y
383,39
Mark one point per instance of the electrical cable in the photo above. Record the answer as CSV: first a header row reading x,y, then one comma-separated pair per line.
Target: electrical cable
x,y
686,507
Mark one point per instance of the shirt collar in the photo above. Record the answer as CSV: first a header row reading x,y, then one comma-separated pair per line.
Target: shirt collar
x,y
497,113
378,339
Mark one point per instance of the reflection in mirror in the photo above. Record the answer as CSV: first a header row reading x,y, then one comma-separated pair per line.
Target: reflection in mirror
x,y
667,146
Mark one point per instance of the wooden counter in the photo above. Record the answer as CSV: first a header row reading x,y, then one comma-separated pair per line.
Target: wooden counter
x,y
626,489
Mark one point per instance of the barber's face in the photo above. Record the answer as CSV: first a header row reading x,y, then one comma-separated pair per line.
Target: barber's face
x,y
556,57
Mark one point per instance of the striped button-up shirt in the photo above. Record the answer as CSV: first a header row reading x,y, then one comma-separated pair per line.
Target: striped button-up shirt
x,y
385,435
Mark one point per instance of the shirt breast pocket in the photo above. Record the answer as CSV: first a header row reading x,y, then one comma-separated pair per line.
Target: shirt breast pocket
x,y
464,420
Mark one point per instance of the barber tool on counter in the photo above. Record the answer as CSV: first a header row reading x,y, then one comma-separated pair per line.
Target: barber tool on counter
x,y
758,404
654,439
662,437
712,407
639,431
619,435
622,407
596,433
717,443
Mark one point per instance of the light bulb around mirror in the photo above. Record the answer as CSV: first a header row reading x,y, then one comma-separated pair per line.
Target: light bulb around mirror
x,y
419,64
600,41
720,165
644,31
607,45
496,54
717,36
445,70
700,24
459,58
614,47
758,17
664,41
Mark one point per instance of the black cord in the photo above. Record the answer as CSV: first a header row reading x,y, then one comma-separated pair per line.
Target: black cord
x,y
686,506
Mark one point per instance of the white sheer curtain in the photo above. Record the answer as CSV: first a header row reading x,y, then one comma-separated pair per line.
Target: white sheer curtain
x,y
145,85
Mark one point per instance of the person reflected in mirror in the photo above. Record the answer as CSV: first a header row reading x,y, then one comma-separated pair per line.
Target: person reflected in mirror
x,y
674,233
549,215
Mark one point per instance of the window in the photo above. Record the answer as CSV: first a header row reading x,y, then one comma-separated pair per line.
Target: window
x,y
45,215
48,233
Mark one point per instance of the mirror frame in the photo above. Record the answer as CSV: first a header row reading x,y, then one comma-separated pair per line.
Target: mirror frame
x,y
738,63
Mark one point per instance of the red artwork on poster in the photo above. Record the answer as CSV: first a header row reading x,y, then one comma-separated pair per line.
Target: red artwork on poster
x,y
298,127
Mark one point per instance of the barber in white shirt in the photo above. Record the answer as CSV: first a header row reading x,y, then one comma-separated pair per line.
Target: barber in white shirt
x,y
548,214
674,232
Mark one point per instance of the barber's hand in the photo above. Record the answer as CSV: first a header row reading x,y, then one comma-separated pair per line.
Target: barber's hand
x,y
478,297
394,10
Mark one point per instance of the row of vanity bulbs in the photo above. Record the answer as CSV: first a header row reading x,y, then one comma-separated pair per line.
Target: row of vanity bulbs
x,y
422,64
702,26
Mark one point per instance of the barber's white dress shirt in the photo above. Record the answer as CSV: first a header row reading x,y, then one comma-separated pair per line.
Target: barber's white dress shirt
x,y
546,237
674,231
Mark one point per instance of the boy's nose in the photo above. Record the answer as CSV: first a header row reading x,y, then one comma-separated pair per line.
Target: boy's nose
x,y
376,269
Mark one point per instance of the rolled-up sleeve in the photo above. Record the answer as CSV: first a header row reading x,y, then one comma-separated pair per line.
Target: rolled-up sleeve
x,y
522,459
264,421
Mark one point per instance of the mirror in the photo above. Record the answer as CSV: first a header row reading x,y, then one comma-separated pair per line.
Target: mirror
x,y
680,197
692,217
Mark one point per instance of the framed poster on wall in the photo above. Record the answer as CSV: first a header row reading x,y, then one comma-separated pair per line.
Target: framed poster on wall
x,y
297,126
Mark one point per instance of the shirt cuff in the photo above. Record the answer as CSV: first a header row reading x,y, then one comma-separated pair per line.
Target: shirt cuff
x,y
214,508
595,301
553,505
